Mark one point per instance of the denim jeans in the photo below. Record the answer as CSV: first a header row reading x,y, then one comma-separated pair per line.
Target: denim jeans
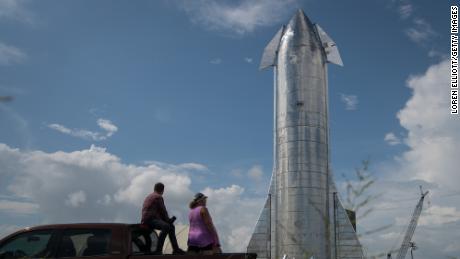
x,y
166,229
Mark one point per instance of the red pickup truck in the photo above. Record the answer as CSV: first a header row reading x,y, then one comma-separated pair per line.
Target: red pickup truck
x,y
91,240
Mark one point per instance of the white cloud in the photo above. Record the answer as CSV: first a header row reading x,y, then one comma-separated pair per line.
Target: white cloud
x,y
80,133
193,166
106,200
432,161
436,54
234,231
433,134
107,126
420,32
16,207
391,139
405,10
76,199
350,101
394,209
438,215
15,10
60,128
11,55
256,173
215,61
104,124
417,29
93,185
185,167
248,60
238,17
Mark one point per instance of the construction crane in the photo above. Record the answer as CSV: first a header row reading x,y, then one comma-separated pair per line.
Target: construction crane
x,y
406,244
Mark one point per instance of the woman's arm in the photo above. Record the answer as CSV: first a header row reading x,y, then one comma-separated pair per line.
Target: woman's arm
x,y
208,221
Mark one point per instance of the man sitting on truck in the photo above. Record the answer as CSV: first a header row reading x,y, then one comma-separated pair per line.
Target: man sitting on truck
x,y
155,215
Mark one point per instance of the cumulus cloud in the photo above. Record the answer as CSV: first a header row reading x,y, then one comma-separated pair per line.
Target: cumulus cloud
x,y
11,55
84,179
350,101
104,124
394,209
223,202
238,17
93,185
433,133
76,199
430,160
392,139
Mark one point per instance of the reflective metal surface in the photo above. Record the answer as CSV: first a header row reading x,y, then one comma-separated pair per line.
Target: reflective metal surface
x,y
344,242
332,52
296,219
269,55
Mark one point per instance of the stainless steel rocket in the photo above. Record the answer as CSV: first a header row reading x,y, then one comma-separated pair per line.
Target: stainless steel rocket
x,y
302,217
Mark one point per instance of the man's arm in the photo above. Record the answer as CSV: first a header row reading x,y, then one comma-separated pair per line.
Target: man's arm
x,y
162,210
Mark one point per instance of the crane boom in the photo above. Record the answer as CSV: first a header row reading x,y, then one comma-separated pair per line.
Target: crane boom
x,y
411,229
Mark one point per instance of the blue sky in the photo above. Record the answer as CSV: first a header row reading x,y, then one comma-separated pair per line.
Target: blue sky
x,y
171,90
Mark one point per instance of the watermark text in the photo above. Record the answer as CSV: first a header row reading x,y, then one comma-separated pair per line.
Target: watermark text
x,y
454,59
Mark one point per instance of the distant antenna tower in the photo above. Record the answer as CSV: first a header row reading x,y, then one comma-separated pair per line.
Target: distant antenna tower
x,y
413,247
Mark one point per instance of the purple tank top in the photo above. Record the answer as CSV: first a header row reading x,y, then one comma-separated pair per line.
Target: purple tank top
x,y
198,235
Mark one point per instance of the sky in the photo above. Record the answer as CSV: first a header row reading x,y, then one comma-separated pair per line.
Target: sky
x,y
110,97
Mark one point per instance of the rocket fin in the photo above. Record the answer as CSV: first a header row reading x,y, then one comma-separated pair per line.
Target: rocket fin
x,y
345,243
332,52
260,239
271,50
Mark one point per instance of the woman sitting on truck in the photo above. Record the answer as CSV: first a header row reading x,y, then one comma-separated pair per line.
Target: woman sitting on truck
x,y
202,236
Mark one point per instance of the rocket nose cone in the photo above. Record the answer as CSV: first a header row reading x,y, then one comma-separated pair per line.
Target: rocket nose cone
x,y
302,28
300,21
300,12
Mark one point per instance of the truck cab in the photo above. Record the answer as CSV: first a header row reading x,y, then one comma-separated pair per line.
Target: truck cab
x,y
90,240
